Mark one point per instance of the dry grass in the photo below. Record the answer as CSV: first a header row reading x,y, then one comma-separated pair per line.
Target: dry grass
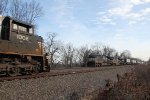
x,y
132,86
143,74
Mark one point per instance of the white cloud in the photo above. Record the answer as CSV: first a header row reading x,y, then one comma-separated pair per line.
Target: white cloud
x,y
127,10
135,2
146,1
106,20
121,11
146,11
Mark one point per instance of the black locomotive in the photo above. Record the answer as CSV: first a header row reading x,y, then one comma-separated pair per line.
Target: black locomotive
x,y
21,51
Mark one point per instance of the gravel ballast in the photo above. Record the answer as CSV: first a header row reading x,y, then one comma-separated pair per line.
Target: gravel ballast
x,y
66,87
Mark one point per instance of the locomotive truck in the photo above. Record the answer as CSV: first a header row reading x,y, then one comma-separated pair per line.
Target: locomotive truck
x,y
21,51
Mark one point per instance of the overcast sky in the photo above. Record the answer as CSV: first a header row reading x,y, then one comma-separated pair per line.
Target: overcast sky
x,y
121,24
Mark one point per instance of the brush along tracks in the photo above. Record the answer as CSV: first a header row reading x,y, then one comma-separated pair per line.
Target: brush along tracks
x,y
61,72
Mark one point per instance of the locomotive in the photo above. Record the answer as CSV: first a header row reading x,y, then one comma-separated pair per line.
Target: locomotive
x,y
21,51
101,60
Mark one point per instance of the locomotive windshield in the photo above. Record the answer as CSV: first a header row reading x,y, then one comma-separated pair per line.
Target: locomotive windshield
x,y
15,26
31,30
22,28
19,27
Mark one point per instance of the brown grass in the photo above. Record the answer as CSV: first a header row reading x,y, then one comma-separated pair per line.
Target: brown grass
x,y
132,86
143,74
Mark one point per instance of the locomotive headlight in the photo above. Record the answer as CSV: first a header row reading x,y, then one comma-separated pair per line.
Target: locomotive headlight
x,y
40,44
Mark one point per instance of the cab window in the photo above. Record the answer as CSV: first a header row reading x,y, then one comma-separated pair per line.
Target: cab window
x,y
22,28
15,27
30,30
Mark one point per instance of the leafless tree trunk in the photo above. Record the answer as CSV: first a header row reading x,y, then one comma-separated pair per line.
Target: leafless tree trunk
x,y
52,47
97,48
125,54
83,53
17,8
67,55
107,51
25,11
116,55
3,6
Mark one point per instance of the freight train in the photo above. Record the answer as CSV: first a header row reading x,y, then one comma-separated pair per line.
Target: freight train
x,y
21,51
95,60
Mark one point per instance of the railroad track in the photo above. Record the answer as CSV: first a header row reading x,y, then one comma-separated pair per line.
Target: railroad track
x,y
62,72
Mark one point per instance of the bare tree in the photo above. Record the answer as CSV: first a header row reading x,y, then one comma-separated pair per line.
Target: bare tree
x,y
125,54
97,48
52,47
107,51
148,62
16,9
83,53
116,55
33,11
25,11
67,55
3,6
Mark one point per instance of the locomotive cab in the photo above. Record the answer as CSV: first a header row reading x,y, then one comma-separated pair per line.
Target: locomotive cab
x,y
95,60
19,37
20,48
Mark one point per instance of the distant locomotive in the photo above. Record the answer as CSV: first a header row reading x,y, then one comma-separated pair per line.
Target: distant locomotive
x,y
21,51
102,60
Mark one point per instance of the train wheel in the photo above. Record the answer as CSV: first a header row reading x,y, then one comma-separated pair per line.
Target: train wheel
x,y
22,71
49,68
11,71
96,65
100,64
29,72
114,64
36,69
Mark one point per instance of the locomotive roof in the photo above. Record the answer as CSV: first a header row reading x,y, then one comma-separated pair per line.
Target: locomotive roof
x,y
19,21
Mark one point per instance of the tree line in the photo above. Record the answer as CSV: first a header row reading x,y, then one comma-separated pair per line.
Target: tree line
x,y
28,11
67,55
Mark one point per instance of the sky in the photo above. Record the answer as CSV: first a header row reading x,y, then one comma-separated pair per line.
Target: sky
x,y
120,24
